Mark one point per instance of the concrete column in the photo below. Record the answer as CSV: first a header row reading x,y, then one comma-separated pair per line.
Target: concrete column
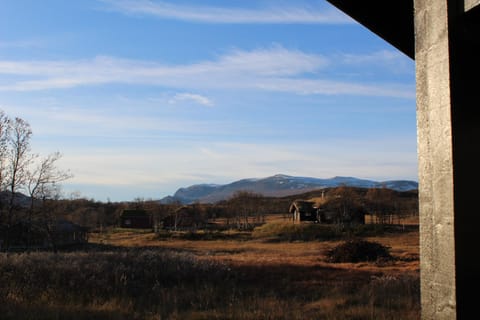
x,y
447,55
435,155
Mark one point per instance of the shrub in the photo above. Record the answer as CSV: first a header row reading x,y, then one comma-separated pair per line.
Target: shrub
x,y
358,250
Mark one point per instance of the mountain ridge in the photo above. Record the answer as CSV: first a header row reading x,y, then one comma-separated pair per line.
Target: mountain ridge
x,y
278,185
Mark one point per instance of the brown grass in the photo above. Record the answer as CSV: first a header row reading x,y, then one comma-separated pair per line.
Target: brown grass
x,y
403,246
233,278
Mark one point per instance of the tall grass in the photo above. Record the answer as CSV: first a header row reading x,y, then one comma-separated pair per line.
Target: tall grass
x,y
159,284
287,231
281,231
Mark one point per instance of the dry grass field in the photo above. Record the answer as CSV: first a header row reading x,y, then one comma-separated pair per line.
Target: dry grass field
x,y
243,251
227,275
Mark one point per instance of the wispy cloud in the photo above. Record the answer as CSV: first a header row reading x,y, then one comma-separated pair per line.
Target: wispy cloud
x,y
393,60
196,98
111,124
187,162
273,69
384,56
329,87
209,14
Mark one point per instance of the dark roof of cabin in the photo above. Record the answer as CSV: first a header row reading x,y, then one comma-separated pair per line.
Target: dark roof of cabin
x,y
302,205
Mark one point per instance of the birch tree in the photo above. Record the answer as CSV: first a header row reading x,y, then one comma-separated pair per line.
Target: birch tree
x,y
43,181
19,158
4,136
22,171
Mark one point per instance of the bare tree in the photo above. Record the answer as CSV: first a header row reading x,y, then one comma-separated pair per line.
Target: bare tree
x,y
346,204
42,182
19,158
22,171
4,137
381,204
245,204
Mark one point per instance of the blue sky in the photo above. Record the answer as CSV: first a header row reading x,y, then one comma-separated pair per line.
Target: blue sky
x,y
143,97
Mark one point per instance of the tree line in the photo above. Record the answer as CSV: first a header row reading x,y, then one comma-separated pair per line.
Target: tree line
x,y
243,210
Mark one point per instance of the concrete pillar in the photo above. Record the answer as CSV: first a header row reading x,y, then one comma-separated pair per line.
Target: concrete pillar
x,y
447,54
435,157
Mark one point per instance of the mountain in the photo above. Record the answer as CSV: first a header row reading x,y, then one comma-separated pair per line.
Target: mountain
x,y
277,186
20,199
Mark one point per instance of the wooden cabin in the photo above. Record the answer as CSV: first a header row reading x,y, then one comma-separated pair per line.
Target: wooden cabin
x,y
329,210
303,210
136,218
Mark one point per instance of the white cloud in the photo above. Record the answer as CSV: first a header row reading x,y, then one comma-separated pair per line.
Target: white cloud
x,y
209,14
196,98
386,56
273,69
107,124
222,161
275,61
393,60
328,87
103,70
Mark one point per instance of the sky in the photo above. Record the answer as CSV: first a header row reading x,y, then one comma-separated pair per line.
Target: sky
x,y
142,97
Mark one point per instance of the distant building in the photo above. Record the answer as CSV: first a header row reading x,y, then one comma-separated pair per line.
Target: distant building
x,y
303,210
68,233
136,218
329,210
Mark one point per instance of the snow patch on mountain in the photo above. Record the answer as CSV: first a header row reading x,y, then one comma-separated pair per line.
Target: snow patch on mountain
x,y
277,186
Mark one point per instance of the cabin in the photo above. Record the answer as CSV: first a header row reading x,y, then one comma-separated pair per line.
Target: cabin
x,y
331,210
303,210
35,235
67,233
136,219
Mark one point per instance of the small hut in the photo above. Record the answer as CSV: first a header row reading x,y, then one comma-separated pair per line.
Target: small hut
x,y
67,233
136,218
303,210
328,210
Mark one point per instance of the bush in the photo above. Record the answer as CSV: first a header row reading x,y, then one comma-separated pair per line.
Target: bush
x,y
358,250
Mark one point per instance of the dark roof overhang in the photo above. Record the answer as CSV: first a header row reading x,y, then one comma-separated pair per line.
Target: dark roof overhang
x,y
392,20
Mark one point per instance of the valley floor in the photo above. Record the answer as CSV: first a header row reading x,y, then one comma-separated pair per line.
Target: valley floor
x,y
236,277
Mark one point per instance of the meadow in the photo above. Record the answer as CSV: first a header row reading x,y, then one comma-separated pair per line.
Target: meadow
x,y
274,271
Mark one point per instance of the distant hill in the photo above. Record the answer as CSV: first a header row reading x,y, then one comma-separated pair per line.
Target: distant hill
x,y
20,199
277,186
